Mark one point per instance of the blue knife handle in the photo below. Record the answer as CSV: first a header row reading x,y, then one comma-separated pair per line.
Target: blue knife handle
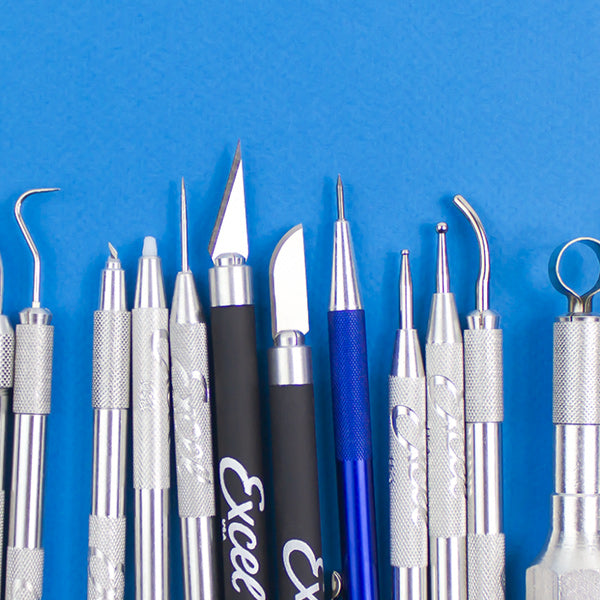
x,y
352,423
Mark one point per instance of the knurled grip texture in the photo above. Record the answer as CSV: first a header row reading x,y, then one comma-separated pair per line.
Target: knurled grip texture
x,y
296,490
484,402
33,369
576,382
150,398
192,417
485,563
112,351
241,471
24,573
350,384
446,440
7,359
106,558
408,472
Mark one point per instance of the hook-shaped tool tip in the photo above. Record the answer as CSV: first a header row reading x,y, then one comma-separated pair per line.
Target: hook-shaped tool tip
x,y
482,296
34,251
113,251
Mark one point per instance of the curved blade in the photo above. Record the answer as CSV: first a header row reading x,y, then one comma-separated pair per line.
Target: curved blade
x,y
230,234
287,276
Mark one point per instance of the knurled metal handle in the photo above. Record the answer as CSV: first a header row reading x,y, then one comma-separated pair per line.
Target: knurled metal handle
x,y
106,558
24,573
486,566
192,417
150,398
7,359
576,372
408,472
446,440
112,351
33,369
484,401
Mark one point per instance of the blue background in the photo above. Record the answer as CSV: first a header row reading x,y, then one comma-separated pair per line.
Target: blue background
x,y
411,101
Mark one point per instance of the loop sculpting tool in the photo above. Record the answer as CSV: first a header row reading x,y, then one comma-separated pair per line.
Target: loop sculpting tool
x,y
238,408
7,361
294,448
193,431
110,400
151,424
408,454
569,565
352,421
31,405
484,413
446,426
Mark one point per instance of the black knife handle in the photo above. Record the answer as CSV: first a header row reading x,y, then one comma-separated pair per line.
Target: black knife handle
x,y
296,486
240,469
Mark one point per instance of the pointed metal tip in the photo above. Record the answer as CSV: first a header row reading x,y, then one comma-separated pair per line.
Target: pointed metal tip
x,y
406,293
113,251
442,271
340,199
184,229
482,294
230,235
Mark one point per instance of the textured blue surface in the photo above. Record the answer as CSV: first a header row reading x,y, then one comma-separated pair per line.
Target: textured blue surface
x,y
411,101
350,385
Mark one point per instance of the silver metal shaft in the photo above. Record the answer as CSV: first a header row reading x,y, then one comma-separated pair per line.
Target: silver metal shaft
x,y
446,424
110,400
193,432
151,420
569,566
484,411
31,405
408,454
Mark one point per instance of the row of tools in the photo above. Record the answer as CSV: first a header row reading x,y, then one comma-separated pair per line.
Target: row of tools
x,y
445,476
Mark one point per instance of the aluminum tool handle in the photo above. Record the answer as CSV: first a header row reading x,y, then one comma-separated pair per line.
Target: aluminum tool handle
x,y
110,400
484,411
240,453
446,470
151,450
569,566
408,487
352,426
194,458
295,474
31,405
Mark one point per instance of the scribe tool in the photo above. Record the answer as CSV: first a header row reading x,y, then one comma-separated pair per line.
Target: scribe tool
x,y
238,407
569,565
193,431
484,413
408,454
294,447
110,400
446,439
7,361
352,421
31,405
151,424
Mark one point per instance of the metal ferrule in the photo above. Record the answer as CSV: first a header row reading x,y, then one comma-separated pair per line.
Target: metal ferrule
x,y
25,524
230,281
112,287
149,289
200,564
290,360
109,467
345,293
444,325
152,542
409,583
483,319
407,360
484,477
448,562
186,307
